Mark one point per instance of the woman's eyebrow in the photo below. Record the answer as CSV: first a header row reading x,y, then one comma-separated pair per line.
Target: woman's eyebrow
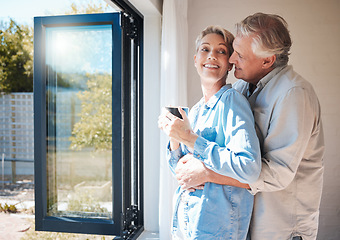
x,y
218,44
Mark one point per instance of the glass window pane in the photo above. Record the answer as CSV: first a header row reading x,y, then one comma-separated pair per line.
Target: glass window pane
x,y
79,121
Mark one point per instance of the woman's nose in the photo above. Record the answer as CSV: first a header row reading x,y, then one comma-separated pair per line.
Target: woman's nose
x,y
212,56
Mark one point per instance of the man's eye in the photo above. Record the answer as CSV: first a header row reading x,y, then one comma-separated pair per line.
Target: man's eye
x,y
222,52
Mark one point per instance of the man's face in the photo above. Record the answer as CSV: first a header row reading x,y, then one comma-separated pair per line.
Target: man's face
x,y
248,66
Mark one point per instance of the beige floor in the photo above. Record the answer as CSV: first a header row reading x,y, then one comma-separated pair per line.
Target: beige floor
x,y
13,226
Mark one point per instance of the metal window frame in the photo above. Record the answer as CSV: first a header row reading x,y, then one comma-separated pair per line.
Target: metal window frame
x,y
127,219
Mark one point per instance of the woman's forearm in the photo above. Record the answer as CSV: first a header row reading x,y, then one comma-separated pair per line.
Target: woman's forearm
x,y
189,138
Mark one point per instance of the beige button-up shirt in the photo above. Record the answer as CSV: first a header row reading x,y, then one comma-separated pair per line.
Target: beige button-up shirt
x,y
288,124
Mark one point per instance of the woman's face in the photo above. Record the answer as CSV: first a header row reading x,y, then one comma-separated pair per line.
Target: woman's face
x,y
212,59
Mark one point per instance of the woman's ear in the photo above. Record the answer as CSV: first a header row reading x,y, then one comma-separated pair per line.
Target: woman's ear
x,y
195,60
268,62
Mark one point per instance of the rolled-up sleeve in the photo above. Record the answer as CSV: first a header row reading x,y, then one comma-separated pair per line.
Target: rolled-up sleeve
x,y
174,156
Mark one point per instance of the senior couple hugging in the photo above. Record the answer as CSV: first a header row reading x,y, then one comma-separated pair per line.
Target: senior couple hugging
x,y
249,156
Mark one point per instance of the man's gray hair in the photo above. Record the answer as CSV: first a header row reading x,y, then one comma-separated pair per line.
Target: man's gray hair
x,y
270,36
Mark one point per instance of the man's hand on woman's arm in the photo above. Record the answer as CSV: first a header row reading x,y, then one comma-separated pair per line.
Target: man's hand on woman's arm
x,y
191,174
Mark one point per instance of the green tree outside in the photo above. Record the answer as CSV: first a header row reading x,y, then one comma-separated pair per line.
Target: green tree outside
x,y
16,50
87,8
95,126
16,58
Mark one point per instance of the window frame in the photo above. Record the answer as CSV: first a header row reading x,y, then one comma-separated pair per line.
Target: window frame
x,y
127,219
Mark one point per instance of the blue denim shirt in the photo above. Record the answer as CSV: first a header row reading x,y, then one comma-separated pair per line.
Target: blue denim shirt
x,y
228,145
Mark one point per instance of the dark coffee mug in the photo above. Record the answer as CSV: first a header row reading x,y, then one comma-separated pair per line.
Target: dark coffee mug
x,y
174,111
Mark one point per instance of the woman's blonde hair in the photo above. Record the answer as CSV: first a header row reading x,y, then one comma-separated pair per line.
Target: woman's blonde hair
x,y
227,36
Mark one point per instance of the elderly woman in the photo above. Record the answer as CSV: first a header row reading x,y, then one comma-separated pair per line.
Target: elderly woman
x,y
219,131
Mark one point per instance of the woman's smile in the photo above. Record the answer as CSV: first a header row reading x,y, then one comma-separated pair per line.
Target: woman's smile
x,y
210,65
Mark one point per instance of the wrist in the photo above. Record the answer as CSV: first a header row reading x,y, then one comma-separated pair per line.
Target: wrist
x,y
174,145
210,175
190,138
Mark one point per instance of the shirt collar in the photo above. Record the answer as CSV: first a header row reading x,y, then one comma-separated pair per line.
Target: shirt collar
x,y
214,99
269,76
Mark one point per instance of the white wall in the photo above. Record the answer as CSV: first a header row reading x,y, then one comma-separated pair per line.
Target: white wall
x,y
315,31
151,113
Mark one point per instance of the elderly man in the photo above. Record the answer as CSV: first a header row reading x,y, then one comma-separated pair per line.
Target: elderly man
x,y
288,124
